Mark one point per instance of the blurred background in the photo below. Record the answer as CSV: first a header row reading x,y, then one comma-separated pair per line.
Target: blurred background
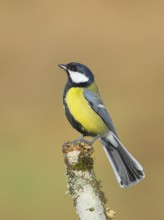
x,y
122,42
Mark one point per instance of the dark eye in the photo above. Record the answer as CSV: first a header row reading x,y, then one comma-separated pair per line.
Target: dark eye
x,y
73,68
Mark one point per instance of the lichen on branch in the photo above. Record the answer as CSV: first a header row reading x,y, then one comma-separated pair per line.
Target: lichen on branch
x,y
88,198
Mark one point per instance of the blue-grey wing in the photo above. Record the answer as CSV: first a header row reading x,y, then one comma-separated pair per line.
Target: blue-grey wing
x,y
97,105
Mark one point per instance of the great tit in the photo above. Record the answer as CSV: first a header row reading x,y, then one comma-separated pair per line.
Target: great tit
x,y
87,113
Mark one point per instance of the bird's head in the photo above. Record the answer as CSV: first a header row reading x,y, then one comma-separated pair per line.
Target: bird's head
x,y
78,74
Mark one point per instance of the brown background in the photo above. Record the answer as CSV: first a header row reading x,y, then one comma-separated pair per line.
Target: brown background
x,y
123,43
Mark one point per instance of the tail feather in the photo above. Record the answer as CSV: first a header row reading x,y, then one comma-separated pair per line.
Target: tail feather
x,y
127,169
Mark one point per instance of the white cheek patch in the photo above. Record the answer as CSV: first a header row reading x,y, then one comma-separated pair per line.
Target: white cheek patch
x,y
78,77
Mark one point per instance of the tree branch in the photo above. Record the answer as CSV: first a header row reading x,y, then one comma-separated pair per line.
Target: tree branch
x,y
86,192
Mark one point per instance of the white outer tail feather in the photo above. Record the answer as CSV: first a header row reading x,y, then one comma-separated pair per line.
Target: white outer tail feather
x,y
118,141
120,154
111,162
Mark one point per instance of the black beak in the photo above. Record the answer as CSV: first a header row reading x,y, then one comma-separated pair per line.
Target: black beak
x,y
63,66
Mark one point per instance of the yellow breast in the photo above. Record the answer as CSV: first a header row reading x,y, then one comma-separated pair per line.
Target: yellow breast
x,y
83,113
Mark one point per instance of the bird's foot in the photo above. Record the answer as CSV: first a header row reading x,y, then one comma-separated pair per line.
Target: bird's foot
x,y
77,140
86,142
82,140
90,143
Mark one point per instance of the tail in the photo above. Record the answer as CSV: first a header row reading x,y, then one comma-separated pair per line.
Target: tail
x,y
127,169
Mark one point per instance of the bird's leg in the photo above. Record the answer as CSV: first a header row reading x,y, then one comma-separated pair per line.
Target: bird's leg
x,y
78,139
90,142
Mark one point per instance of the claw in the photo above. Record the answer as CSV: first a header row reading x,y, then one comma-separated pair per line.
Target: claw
x,y
81,139
77,140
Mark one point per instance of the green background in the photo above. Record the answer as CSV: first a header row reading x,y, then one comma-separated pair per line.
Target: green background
x,y
123,44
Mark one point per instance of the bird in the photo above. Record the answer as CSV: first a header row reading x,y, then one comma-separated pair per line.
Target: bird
x,y
86,112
